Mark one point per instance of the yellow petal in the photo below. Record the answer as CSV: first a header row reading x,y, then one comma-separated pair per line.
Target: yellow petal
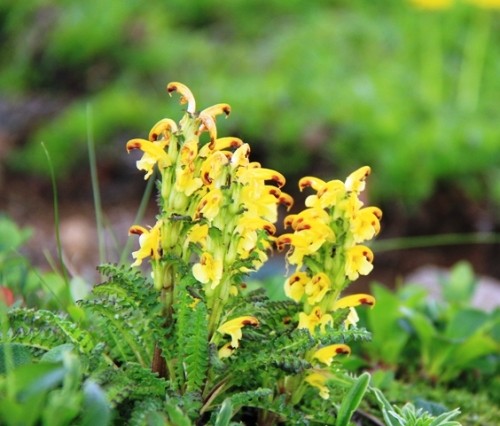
x,y
234,326
318,379
311,181
163,127
327,353
355,182
354,300
186,95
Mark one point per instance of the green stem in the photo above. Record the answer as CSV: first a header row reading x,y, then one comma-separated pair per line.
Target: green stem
x,y
56,217
432,58
471,72
95,187
434,241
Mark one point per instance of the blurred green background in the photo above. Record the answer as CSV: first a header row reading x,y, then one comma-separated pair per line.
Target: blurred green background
x,y
317,87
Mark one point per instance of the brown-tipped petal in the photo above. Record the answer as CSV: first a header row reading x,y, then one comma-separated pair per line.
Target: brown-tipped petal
x,y
286,200
164,126
287,223
186,95
137,230
134,144
217,109
311,181
356,180
354,300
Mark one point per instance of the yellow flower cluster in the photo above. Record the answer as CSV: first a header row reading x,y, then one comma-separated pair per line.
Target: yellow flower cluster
x,y
327,251
326,248
218,208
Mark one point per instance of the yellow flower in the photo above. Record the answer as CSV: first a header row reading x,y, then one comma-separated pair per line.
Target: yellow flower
x,y
209,205
327,353
215,110
303,243
318,379
358,262
153,153
208,270
355,182
213,170
329,195
226,351
315,319
220,144
354,300
165,127
198,234
295,285
234,326
250,174
432,4
317,287
149,242
186,95
366,224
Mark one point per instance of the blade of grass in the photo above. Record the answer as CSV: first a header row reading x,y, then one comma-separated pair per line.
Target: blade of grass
x,y
434,240
56,216
95,187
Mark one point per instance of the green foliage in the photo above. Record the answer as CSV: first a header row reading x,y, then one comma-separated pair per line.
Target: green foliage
x,y
405,94
24,283
352,400
443,341
409,415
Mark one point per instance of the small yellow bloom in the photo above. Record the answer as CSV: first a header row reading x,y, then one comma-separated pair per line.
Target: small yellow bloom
x,y
186,95
327,353
318,379
208,270
226,351
234,326
164,127
213,170
209,205
358,262
366,224
317,287
295,285
251,174
355,182
354,300
149,241
315,319
154,153
311,182
216,110
220,144
329,195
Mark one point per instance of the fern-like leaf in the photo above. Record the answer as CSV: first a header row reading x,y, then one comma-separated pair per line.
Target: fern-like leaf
x,y
41,329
